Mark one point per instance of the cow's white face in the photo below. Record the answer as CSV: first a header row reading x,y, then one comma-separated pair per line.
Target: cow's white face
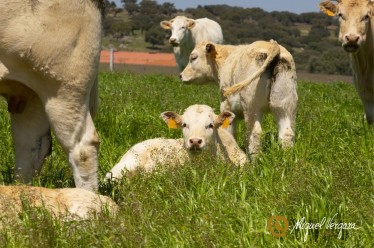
x,y
199,125
200,65
180,29
354,17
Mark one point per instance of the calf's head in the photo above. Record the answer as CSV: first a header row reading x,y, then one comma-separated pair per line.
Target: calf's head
x,y
354,17
180,28
199,124
201,64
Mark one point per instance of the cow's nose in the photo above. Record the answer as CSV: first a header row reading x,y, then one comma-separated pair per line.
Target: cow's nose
x,y
195,142
352,38
181,77
172,40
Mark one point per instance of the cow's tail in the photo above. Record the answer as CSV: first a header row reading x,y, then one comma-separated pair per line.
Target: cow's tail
x,y
94,97
273,52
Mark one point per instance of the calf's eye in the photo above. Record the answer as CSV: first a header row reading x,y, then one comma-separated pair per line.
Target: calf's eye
x,y
210,125
184,125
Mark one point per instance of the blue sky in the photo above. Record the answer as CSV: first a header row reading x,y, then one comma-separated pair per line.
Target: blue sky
x,y
268,5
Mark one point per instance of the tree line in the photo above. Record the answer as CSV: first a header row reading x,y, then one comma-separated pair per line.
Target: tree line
x,y
310,37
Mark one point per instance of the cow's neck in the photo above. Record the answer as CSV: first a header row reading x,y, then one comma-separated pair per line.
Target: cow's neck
x,y
363,60
182,54
188,45
220,56
186,50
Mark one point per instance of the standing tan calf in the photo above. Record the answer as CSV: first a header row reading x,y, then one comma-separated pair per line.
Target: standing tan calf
x,y
253,79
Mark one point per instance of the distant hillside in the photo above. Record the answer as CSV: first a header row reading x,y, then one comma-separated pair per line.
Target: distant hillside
x,y
310,37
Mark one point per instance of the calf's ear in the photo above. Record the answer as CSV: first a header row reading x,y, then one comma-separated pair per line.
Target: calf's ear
x,y
371,8
190,23
328,8
224,119
209,48
172,119
165,24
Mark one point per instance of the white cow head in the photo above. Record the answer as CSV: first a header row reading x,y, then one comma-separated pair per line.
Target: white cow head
x,y
201,66
180,28
199,124
354,17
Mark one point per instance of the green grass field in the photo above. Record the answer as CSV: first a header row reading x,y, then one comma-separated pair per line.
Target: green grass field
x,y
329,173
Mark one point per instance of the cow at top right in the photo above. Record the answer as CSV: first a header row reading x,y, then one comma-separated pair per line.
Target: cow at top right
x,y
357,36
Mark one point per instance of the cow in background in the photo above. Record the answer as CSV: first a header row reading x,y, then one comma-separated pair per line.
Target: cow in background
x,y
49,57
357,37
186,33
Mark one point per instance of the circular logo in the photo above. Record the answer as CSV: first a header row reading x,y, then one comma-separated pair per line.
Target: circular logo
x,y
278,226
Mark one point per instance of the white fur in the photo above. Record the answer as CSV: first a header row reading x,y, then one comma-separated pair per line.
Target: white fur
x,y
49,52
68,203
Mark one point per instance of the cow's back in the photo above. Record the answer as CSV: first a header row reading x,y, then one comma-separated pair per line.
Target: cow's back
x,y
147,154
55,36
244,60
207,29
239,64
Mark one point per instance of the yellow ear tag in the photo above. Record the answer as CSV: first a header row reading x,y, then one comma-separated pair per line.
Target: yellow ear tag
x,y
172,123
225,123
329,12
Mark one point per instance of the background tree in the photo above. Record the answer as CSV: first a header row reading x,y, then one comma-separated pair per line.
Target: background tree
x,y
130,6
155,35
310,37
317,33
332,61
167,9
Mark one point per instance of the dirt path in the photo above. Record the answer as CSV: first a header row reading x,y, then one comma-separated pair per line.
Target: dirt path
x,y
164,63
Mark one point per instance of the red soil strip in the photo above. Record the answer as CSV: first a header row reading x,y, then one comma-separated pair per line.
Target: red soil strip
x,y
145,62
140,58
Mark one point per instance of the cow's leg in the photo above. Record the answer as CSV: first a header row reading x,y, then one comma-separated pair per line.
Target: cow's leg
x,y
253,132
252,116
283,104
367,98
31,134
75,131
286,133
285,115
369,109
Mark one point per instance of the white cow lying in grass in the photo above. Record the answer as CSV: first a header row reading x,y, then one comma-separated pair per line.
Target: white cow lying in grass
x,y
262,75
68,203
203,132
186,33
